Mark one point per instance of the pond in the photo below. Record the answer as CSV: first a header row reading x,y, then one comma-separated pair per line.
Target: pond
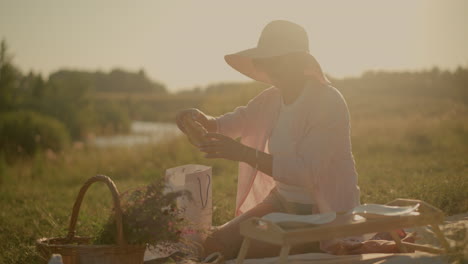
x,y
140,133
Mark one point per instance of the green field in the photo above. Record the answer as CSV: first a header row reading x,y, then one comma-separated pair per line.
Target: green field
x,y
408,147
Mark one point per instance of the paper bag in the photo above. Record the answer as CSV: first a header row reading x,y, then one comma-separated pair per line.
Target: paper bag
x,y
197,209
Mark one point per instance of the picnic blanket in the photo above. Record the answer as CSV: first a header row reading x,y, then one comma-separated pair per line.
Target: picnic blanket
x,y
455,229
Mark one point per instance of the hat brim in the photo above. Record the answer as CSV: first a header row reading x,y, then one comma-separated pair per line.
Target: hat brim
x,y
243,62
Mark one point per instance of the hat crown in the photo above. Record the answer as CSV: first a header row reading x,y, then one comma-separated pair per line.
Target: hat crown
x,y
283,35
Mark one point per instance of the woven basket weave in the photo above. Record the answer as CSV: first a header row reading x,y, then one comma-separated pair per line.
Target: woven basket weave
x,y
77,250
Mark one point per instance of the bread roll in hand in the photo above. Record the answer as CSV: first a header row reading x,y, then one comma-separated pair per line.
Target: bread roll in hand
x,y
195,131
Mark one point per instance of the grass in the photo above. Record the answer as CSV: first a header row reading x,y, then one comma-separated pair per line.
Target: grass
x,y
404,147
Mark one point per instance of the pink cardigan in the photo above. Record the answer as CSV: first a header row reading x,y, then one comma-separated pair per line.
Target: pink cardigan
x,y
322,161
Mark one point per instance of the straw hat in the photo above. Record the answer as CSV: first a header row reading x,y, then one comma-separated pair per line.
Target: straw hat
x,y
279,37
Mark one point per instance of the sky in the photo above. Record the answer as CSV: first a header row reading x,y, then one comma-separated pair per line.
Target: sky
x,y
182,43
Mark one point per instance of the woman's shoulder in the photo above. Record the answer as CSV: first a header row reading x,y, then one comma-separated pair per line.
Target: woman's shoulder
x,y
270,94
326,103
332,92
330,96
322,93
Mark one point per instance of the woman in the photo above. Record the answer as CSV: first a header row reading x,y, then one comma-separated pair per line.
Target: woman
x,y
295,150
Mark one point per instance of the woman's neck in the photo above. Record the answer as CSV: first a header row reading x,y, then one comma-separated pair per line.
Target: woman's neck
x,y
291,91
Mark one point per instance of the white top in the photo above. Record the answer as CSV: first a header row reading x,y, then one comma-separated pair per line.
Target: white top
x,y
281,142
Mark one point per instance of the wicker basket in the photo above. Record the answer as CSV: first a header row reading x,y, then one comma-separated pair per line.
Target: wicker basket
x,y
77,250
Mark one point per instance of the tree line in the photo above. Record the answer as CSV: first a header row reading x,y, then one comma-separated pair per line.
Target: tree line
x,y
69,105
38,113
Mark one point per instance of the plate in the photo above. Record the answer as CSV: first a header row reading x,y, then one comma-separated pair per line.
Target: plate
x,y
300,220
379,210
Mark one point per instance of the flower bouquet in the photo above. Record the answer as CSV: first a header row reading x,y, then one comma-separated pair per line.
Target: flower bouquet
x,y
149,217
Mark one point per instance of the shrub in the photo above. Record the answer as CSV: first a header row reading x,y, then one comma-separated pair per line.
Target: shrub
x,y
22,133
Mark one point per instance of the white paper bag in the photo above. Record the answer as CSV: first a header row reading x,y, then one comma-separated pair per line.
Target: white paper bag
x,y
198,210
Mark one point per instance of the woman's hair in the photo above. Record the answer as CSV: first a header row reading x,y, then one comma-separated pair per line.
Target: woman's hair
x,y
296,63
292,63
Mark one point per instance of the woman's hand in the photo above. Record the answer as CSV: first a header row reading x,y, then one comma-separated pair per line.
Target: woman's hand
x,y
221,146
208,122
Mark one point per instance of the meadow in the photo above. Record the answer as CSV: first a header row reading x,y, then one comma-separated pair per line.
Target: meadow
x,y
404,146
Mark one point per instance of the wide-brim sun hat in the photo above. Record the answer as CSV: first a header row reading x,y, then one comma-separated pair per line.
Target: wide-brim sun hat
x,y
278,38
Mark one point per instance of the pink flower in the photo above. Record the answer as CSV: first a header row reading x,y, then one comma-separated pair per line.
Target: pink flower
x,y
188,231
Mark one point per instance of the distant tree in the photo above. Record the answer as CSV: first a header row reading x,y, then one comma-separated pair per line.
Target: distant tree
x,y
68,99
39,87
9,76
116,80
461,83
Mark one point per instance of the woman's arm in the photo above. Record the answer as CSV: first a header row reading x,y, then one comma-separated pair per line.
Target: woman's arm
x,y
327,133
232,124
299,169
222,146
258,159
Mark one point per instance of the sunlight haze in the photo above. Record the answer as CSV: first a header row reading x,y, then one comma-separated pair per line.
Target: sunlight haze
x,y
182,43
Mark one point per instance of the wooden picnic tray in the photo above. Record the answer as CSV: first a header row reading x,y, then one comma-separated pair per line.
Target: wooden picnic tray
x,y
345,225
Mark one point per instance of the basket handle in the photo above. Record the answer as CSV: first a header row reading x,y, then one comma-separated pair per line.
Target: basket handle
x,y
118,210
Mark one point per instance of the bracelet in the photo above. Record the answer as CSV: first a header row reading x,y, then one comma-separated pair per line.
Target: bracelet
x,y
256,156
256,159
217,125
